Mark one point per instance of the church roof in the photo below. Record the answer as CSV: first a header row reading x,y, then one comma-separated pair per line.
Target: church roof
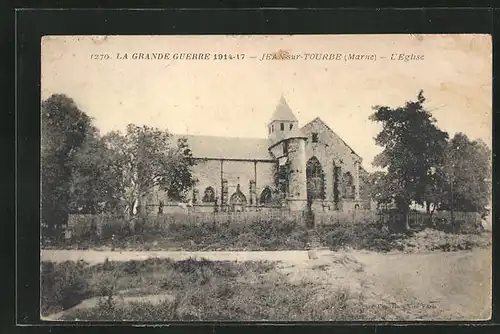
x,y
236,148
283,112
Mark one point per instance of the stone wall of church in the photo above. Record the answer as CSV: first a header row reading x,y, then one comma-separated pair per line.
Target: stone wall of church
x,y
297,193
331,152
265,176
238,172
208,173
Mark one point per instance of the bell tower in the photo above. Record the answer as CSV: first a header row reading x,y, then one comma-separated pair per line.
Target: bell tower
x,y
287,144
282,122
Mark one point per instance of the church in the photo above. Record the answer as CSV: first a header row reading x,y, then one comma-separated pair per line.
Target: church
x,y
295,168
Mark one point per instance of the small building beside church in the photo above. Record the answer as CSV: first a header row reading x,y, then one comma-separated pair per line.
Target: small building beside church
x,y
294,168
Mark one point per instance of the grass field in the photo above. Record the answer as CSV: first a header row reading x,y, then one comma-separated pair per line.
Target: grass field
x,y
345,285
270,272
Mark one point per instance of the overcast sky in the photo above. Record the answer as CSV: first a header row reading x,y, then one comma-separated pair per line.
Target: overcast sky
x,y
237,97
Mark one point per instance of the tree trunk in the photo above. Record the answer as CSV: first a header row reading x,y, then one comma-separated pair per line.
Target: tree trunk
x,y
431,214
141,207
403,206
407,221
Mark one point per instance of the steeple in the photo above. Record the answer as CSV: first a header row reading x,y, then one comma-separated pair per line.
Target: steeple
x,y
283,112
283,124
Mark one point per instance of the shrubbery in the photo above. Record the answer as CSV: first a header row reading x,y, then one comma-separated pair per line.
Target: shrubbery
x,y
433,240
213,290
153,233
368,236
66,284
377,237
62,286
149,233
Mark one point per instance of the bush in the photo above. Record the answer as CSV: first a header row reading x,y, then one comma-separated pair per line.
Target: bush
x,y
369,236
237,291
231,297
254,232
432,240
62,286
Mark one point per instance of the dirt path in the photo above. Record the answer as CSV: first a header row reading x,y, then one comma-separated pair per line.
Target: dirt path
x,y
456,284
452,285
93,257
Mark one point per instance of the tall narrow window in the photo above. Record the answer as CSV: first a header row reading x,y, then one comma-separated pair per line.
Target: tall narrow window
x,y
315,137
272,128
315,180
348,185
282,125
336,180
285,147
291,126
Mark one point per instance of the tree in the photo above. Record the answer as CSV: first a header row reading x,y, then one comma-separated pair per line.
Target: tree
x,y
413,146
380,188
63,131
467,175
435,189
95,178
148,161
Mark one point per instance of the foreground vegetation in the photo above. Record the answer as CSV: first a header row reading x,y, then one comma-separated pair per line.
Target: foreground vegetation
x,y
272,235
206,290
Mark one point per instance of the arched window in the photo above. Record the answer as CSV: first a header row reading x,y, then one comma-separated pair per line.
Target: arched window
x,y
348,185
266,196
315,180
209,195
238,201
238,198
337,174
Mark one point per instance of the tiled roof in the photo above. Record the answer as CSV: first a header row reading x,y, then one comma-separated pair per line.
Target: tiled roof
x,y
216,147
283,112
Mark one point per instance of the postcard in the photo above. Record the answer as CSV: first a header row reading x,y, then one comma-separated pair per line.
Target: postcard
x,y
266,178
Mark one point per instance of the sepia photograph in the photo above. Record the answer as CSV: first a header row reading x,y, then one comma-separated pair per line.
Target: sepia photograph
x,y
266,178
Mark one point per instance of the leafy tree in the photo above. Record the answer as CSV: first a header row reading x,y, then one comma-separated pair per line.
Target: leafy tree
x,y
413,146
95,179
64,128
148,161
466,175
434,189
380,188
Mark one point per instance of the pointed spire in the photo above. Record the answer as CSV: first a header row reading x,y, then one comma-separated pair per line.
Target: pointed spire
x,y
283,112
